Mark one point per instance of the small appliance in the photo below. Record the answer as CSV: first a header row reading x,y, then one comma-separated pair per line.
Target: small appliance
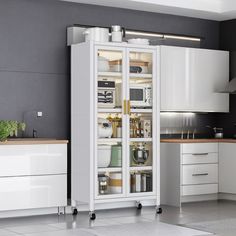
x,y
140,95
140,154
106,94
104,128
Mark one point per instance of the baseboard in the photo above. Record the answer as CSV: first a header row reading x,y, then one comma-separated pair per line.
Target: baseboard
x,y
199,198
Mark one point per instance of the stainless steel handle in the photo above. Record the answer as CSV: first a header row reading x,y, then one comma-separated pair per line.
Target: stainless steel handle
x,y
200,154
203,174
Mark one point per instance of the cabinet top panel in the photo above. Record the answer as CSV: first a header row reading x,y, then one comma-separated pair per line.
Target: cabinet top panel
x,y
198,140
31,141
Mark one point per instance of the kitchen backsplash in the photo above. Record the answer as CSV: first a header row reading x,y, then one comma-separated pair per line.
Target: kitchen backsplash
x,y
173,124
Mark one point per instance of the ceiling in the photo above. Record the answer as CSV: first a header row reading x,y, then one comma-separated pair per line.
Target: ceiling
x,y
206,9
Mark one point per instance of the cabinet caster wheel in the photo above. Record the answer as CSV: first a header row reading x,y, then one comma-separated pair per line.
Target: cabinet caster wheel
x,y
92,216
139,206
75,212
159,210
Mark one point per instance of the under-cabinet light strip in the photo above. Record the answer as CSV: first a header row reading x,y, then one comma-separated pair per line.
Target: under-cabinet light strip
x,y
163,36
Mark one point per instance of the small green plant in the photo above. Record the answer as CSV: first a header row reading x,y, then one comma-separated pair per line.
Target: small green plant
x,y
10,128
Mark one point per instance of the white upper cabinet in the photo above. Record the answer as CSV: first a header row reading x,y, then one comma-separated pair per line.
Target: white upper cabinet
x,y
191,79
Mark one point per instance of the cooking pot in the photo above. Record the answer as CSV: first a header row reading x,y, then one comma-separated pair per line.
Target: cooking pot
x,y
96,34
104,156
104,128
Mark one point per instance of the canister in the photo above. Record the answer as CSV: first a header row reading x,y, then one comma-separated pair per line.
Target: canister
x,y
115,183
116,156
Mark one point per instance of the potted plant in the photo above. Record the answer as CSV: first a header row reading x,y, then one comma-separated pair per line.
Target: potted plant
x,y
10,128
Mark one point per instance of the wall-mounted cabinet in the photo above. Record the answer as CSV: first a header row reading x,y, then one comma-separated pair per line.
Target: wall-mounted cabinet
x,y
115,125
191,79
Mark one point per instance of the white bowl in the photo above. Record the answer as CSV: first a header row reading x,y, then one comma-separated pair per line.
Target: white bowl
x,y
139,41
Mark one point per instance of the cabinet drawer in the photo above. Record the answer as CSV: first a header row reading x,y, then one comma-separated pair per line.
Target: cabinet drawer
x,y
199,148
33,192
23,160
199,158
199,189
200,174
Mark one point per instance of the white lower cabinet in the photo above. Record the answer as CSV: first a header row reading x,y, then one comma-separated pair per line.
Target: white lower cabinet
x,y
188,170
227,164
200,174
199,189
32,192
33,176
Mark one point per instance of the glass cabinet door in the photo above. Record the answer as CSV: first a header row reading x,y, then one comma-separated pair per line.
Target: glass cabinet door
x,y
141,128
110,140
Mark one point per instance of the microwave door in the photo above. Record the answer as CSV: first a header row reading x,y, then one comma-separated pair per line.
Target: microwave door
x,y
137,97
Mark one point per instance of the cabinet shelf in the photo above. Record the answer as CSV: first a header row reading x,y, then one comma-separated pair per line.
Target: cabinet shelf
x,y
103,140
110,169
140,168
110,74
109,110
140,139
136,76
134,110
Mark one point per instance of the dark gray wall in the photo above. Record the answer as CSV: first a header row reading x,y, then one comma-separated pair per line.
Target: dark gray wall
x,y
34,59
228,42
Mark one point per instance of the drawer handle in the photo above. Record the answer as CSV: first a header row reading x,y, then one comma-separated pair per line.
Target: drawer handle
x,y
203,174
200,154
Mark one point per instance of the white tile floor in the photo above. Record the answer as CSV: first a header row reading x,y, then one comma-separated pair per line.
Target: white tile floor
x,y
124,222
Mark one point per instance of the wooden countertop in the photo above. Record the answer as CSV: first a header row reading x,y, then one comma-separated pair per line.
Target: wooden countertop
x,y
198,140
30,141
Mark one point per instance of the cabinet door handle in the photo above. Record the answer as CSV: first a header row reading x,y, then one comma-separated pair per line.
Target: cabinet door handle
x,y
200,154
125,107
128,107
203,174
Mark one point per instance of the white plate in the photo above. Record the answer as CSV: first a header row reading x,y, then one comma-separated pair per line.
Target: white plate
x,y
139,41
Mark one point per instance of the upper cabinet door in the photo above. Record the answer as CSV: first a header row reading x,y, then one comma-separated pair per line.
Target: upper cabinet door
x,y
191,79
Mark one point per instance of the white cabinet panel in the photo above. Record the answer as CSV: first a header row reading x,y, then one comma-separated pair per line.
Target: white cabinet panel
x,y
200,174
199,189
18,160
199,158
227,165
32,192
190,79
200,148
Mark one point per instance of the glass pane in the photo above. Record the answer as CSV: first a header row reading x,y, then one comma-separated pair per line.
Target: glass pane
x,y
141,122
109,122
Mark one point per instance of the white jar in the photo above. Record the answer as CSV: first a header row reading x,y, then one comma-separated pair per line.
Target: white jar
x,y
117,33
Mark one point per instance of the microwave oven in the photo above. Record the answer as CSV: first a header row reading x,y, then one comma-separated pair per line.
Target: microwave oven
x,y
140,95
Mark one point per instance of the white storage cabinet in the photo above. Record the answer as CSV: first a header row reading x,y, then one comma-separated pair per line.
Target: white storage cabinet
x,y
128,183
33,176
191,79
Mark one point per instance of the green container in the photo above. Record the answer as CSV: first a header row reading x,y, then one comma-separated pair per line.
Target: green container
x,y
116,156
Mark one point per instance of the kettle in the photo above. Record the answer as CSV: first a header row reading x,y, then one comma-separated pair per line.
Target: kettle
x,y
140,154
104,128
